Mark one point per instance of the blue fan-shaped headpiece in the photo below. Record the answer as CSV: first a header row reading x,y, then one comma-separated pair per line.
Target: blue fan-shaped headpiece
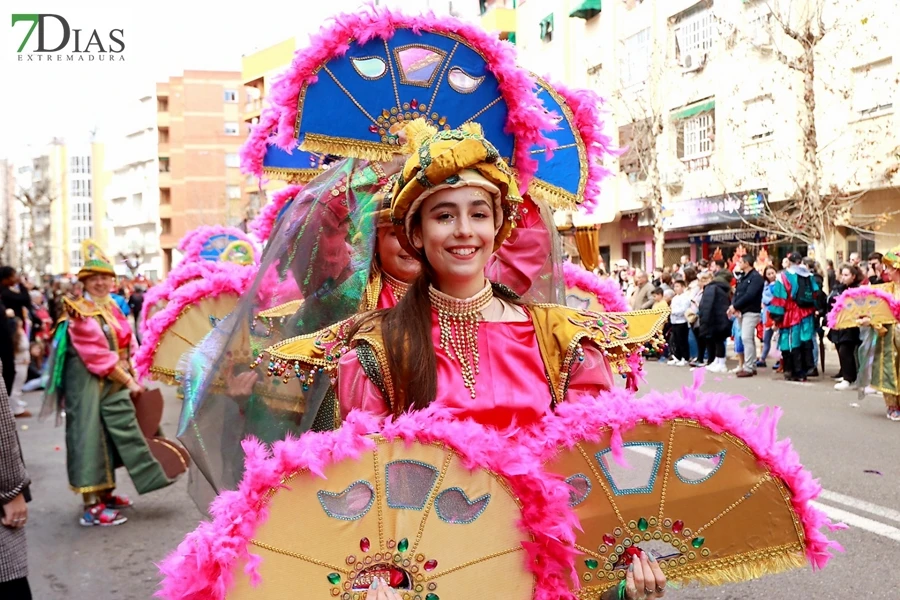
x,y
214,247
361,100
561,179
298,166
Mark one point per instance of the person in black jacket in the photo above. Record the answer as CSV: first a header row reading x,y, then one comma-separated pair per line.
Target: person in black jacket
x,y
715,326
7,349
15,295
136,303
746,305
846,341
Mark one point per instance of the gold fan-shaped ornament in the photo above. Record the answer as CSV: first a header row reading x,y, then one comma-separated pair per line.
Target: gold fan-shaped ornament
x,y
699,501
190,327
411,514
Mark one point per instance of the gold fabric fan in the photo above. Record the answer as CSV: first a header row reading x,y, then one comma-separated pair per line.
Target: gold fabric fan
x,y
697,500
582,300
411,514
856,303
189,328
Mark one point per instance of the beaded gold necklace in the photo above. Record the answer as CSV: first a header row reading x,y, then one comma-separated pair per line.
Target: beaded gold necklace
x,y
398,287
458,320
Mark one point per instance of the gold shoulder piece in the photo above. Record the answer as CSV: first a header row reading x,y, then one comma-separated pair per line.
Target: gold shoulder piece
x,y
282,310
80,307
560,331
304,355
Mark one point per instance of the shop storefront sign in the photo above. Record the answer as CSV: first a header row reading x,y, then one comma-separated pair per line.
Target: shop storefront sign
x,y
716,210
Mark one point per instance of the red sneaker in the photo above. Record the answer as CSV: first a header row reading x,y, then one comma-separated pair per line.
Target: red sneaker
x,y
117,502
98,514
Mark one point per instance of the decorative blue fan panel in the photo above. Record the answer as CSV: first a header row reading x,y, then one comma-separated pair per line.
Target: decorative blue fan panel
x,y
362,99
298,166
215,245
565,174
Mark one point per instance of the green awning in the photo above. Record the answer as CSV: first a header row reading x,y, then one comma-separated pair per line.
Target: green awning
x,y
588,10
696,109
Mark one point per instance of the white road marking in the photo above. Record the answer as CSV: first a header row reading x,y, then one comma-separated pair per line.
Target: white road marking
x,y
855,520
862,505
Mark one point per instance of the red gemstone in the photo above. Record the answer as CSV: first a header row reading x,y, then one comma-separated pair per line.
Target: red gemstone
x,y
677,526
609,540
431,565
373,128
397,577
414,104
630,554
364,544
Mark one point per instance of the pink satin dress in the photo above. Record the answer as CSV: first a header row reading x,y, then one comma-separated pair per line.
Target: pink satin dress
x,y
511,388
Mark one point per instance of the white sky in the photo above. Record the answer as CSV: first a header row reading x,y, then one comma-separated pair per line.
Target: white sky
x,y
162,38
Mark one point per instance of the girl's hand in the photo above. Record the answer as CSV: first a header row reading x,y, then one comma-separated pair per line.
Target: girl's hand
x,y
864,321
380,590
645,580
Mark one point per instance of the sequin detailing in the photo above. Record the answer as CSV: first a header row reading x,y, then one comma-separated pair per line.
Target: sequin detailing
x,y
453,506
409,483
351,504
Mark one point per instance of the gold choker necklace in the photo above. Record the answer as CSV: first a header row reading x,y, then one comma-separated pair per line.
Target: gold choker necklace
x,y
397,287
458,321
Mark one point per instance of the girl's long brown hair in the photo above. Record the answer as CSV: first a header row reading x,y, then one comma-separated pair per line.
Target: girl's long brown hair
x,y
409,344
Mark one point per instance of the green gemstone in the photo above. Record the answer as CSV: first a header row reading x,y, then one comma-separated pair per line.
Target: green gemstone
x,y
403,546
591,564
432,597
334,578
643,525
697,542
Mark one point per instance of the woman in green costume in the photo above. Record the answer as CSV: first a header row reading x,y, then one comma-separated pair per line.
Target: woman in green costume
x,y
92,380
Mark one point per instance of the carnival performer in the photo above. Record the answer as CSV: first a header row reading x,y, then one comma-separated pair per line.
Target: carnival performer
x,y
92,380
886,363
453,226
456,338
793,309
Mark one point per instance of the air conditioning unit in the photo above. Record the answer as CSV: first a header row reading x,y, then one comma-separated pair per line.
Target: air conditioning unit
x,y
693,60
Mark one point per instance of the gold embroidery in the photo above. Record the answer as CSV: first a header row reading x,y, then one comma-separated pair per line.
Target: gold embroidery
x,y
297,555
437,55
292,175
430,502
606,491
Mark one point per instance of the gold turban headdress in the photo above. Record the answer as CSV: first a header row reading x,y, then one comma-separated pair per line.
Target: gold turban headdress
x,y
449,159
891,258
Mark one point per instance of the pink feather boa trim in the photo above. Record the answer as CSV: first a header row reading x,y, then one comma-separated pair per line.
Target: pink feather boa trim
x,y
371,22
605,289
589,118
192,244
221,278
253,150
262,225
177,277
202,567
582,418
847,295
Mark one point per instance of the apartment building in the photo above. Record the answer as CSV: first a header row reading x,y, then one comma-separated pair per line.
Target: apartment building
x,y
701,88
8,222
133,193
68,181
199,132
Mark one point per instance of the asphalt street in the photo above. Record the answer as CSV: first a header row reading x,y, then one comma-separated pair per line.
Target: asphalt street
x,y
848,444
